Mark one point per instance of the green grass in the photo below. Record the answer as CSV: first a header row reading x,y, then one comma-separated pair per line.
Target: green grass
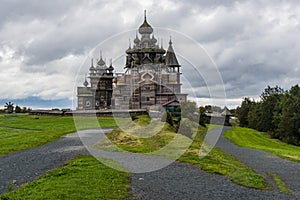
x,y
217,161
19,132
81,178
213,126
280,183
250,138
222,163
139,136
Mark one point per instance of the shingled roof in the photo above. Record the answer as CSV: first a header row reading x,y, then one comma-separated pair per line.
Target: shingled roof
x,y
226,112
171,59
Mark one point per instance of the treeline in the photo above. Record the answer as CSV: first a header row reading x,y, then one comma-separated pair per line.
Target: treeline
x,y
277,113
16,109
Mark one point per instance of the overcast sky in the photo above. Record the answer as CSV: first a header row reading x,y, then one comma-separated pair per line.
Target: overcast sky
x,y
44,43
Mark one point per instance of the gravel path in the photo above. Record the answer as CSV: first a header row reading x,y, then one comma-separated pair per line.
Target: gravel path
x,y
184,181
263,163
28,165
176,181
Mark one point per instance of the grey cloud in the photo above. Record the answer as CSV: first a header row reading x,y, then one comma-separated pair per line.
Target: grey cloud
x,y
254,43
30,9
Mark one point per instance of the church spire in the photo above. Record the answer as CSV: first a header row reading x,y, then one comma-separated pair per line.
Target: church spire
x,y
129,43
171,59
92,68
170,42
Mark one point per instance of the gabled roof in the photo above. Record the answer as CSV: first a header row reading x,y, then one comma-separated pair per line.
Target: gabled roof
x,y
226,112
171,59
169,102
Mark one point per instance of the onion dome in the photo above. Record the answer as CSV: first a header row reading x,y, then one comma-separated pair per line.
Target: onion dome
x,y
153,39
136,40
145,28
110,68
85,83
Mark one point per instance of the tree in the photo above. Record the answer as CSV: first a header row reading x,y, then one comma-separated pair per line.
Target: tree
x,y
254,115
202,118
24,110
189,110
271,91
167,117
269,99
211,108
278,113
208,108
242,112
288,117
18,109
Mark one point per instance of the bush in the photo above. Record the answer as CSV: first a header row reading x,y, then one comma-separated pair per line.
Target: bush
x,y
18,109
167,117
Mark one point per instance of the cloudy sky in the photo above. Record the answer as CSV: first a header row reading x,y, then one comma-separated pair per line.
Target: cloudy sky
x,y
44,44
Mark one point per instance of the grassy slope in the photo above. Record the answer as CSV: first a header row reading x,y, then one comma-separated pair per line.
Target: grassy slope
x,y
133,143
81,178
216,161
219,162
18,132
250,138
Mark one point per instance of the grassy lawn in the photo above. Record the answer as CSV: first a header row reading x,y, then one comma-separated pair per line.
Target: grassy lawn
x,y
81,178
216,161
250,138
86,178
19,132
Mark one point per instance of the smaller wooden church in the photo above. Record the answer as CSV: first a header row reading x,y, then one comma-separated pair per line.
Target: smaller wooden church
x,y
97,94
